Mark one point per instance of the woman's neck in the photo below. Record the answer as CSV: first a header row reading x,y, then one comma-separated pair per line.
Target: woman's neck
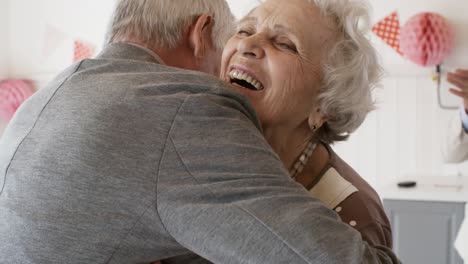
x,y
289,145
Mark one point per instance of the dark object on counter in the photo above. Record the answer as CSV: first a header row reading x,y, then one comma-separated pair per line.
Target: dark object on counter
x,y
407,184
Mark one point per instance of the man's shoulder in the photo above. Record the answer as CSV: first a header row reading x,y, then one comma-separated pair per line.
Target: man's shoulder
x,y
146,85
156,74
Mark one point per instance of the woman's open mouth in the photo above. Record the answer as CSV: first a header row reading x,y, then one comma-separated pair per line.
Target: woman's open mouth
x,y
245,80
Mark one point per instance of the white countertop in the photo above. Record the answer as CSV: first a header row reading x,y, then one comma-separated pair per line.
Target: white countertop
x,y
437,190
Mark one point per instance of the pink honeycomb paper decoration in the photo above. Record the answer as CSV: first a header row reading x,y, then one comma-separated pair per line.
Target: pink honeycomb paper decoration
x,y
12,94
426,39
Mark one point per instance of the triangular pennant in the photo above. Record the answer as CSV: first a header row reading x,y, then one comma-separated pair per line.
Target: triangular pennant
x,y
52,40
82,50
388,29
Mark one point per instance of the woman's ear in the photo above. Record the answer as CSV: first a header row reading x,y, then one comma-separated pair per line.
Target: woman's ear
x,y
200,36
316,119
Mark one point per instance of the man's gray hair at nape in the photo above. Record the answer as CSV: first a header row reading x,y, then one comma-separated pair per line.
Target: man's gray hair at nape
x,y
162,23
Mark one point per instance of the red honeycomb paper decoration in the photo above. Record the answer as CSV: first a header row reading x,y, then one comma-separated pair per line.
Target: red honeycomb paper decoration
x,y
427,39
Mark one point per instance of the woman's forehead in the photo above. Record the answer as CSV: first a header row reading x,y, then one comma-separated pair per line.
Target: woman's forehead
x,y
296,14
299,17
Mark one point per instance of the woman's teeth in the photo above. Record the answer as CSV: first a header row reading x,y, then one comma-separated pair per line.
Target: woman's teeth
x,y
245,80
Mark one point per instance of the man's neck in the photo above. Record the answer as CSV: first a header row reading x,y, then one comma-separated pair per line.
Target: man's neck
x,y
152,53
179,57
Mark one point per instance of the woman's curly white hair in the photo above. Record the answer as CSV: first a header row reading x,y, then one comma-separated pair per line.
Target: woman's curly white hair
x,y
351,72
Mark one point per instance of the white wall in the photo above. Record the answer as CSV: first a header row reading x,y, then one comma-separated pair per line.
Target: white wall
x,y
4,37
4,45
30,21
242,7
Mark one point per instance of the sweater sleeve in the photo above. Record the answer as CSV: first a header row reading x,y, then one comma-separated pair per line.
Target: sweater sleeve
x,y
224,195
377,234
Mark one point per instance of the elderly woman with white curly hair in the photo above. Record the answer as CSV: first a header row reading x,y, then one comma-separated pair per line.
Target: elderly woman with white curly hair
x,y
309,71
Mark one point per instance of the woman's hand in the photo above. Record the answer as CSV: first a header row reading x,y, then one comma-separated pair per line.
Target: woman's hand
x,y
459,78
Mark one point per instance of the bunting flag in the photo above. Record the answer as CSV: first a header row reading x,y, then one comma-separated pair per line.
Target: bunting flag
x,y
52,40
82,50
388,29
12,94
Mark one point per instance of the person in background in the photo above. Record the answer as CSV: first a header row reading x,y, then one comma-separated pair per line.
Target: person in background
x,y
129,158
455,147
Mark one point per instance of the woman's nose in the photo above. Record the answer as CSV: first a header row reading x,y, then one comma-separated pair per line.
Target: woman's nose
x,y
252,46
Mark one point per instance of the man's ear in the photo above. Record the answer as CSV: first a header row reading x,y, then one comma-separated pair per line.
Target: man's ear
x,y
200,36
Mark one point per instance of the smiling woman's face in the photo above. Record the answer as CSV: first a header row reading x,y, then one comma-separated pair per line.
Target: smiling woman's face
x,y
276,59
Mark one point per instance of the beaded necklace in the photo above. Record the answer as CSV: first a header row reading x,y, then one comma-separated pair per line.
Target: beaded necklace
x,y
302,160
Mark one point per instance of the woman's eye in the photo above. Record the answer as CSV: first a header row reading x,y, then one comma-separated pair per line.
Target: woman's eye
x,y
287,46
243,33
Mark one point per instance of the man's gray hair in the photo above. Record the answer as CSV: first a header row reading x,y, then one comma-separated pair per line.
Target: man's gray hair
x,y
162,23
351,72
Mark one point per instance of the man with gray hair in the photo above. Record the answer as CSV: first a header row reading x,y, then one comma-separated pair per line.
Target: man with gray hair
x,y
127,159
